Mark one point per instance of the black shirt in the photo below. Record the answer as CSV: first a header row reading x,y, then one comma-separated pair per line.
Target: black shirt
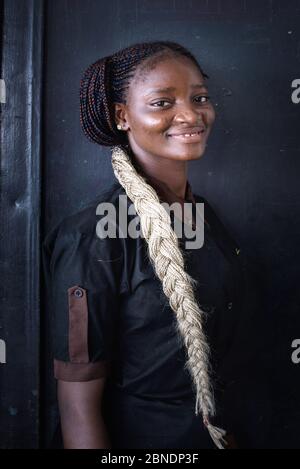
x,y
110,317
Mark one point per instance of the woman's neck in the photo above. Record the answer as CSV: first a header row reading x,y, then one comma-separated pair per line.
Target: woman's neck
x,y
171,173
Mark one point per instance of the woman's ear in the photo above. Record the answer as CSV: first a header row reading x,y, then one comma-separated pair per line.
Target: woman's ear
x,y
120,115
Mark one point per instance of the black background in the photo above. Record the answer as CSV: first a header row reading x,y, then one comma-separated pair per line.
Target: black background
x,y
249,174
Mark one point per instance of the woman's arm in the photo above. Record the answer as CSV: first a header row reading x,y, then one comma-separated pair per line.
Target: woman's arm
x,y
80,412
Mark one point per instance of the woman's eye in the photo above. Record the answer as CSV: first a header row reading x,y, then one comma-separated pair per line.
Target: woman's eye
x,y
199,99
203,99
161,101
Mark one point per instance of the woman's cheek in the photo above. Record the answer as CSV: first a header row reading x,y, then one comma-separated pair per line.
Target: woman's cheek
x,y
212,115
153,127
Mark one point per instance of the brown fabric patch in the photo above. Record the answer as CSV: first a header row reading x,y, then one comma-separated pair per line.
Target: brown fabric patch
x,y
67,371
78,325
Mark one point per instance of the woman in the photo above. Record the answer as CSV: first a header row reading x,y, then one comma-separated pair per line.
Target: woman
x,y
134,317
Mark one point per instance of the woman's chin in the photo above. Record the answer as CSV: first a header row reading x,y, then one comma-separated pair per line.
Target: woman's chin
x,y
189,152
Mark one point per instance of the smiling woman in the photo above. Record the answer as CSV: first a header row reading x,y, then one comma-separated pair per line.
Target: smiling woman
x,y
132,316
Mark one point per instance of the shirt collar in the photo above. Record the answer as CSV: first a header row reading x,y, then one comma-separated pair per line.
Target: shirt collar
x,y
165,194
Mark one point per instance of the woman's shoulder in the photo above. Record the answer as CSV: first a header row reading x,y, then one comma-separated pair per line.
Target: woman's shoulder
x,y
83,222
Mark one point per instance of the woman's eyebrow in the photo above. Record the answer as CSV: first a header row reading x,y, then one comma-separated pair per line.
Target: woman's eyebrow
x,y
171,88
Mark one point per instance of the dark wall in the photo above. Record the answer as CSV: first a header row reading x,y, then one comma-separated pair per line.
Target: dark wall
x,y
20,189
249,174
250,50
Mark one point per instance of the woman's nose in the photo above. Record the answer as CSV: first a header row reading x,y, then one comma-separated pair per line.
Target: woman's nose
x,y
188,113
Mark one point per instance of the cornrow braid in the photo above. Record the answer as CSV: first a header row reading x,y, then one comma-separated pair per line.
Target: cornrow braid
x,y
95,109
105,82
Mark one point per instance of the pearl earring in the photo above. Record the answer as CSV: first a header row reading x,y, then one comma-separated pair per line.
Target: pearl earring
x,y
119,127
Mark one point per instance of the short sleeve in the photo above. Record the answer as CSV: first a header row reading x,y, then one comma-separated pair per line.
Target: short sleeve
x,y
83,275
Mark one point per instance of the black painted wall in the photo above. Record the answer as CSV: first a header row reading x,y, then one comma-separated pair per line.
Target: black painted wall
x,y
20,205
251,51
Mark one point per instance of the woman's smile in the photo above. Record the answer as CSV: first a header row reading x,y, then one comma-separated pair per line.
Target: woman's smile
x,y
188,135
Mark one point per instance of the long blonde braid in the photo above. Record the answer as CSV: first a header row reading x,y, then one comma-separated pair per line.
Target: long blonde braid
x,y
168,262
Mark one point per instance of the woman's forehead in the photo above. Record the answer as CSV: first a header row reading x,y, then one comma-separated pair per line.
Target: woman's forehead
x,y
166,75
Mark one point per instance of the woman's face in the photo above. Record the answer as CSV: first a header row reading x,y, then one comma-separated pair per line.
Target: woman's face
x,y
162,105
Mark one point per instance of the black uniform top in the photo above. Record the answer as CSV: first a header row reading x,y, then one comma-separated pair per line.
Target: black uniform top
x,y
110,317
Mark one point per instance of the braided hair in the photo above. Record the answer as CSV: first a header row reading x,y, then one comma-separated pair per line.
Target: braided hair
x,y
105,82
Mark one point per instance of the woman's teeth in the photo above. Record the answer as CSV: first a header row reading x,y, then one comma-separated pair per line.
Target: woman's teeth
x,y
187,134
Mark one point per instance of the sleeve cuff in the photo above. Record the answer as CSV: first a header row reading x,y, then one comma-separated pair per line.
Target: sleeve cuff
x,y
67,371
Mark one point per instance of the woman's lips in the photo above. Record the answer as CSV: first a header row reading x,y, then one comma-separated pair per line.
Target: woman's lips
x,y
194,137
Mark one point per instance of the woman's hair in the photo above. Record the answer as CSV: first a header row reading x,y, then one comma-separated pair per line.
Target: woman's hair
x,y
104,83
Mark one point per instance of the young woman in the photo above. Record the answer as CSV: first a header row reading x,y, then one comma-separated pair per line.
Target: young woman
x,y
135,318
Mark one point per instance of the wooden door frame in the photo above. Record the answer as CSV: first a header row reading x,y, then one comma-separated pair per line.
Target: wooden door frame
x,y
22,33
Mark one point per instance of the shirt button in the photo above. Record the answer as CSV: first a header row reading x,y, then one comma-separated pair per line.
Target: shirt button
x,y
229,305
78,292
